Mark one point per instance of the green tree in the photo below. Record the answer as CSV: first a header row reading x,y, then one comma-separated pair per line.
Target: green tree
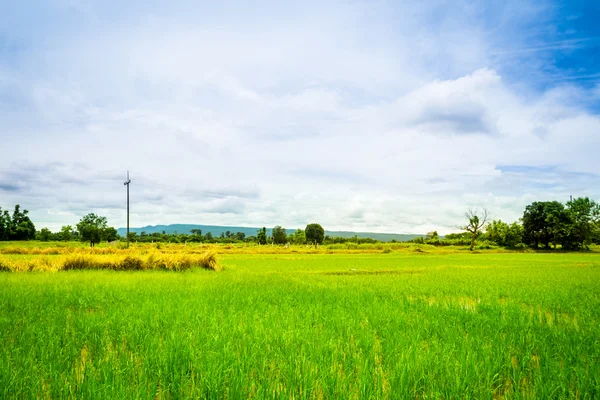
x,y
196,235
45,235
314,233
66,232
514,235
91,228
504,234
21,226
558,222
299,237
261,236
535,224
279,235
5,223
432,238
475,223
110,234
585,220
496,231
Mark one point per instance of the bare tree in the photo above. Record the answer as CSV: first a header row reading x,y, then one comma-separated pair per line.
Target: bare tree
x,y
475,223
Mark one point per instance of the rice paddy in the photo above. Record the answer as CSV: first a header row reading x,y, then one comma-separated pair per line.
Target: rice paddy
x,y
302,323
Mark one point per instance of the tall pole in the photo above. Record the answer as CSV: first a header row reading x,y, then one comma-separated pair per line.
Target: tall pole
x,y
127,182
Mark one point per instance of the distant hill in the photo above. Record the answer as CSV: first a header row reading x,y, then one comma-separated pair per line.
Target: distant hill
x,y
217,230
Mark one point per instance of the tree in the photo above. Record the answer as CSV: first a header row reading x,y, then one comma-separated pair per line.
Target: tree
x,y
535,224
503,234
298,237
558,222
432,238
110,234
514,235
45,235
66,232
279,235
496,231
314,233
573,227
475,223
4,224
91,228
261,236
585,220
196,235
432,235
21,226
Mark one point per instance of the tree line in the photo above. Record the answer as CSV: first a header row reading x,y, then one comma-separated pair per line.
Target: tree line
x,y
313,234
91,228
548,224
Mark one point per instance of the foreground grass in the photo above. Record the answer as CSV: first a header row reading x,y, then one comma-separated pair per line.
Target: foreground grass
x,y
309,326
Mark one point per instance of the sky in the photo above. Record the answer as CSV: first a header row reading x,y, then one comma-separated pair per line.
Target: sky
x,y
383,116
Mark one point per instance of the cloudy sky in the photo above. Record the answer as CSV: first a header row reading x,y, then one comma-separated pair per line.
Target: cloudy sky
x,y
386,116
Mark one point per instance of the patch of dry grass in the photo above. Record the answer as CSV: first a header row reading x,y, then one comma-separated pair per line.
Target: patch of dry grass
x,y
126,261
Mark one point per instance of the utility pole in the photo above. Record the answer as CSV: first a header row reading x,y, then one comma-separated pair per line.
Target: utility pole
x,y
127,182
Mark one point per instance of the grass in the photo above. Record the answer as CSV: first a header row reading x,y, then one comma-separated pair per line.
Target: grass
x,y
402,324
124,261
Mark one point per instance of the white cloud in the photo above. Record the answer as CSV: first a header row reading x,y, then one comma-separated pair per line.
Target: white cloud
x,y
346,119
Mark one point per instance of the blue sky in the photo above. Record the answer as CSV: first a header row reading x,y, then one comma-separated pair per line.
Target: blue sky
x,y
378,115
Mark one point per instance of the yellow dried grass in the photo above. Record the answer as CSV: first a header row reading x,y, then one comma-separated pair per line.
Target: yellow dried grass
x,y
125,261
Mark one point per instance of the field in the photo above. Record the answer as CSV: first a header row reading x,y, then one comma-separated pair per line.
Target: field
x,y
391,322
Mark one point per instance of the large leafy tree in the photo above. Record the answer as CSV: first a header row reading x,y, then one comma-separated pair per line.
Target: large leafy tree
x,y
536,230
21,226
92,228
314,233
585,219
279,235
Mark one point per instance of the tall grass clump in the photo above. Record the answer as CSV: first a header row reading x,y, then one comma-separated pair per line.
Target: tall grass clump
x,y
209,261
126,261
4,267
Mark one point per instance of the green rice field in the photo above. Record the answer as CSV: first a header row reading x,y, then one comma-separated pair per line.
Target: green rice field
x,y
294,326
